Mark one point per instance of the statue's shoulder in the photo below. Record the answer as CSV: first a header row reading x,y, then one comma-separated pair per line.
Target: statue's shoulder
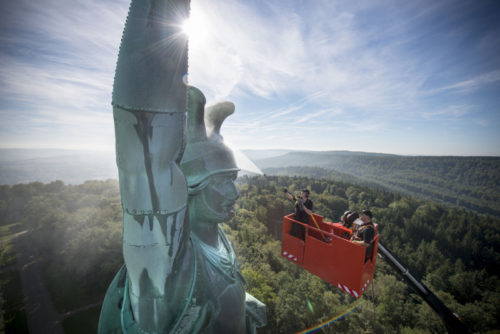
x,y
196,312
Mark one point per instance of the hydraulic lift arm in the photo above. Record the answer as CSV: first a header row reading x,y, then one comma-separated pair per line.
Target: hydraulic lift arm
x,y
453,324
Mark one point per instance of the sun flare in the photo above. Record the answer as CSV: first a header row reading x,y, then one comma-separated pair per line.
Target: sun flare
x,y
196,27
187,27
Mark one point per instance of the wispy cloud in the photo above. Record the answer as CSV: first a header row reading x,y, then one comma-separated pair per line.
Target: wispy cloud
x,y
307,117
469,85
319,68
286,111
448,113
57,62
320,50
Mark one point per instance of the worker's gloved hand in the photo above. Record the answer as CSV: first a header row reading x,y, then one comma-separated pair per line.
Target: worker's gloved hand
x,y
301,203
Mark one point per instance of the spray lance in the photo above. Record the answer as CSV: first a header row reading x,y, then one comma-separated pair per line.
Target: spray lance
x,y
300,202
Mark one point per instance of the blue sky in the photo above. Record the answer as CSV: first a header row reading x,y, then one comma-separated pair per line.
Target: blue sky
x,y
403,77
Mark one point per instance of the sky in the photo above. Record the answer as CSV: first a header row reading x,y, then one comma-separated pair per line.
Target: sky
x,y
402,77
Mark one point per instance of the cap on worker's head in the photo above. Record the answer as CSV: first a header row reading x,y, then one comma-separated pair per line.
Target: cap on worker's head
x,y
367,212
352,217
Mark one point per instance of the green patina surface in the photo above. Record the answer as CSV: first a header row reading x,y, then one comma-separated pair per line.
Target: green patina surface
x,y
177,184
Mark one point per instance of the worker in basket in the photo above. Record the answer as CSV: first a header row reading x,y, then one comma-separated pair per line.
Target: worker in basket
x,y
303,209
364,232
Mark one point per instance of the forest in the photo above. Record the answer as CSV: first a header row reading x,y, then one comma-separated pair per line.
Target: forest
x,y
469,182
75,232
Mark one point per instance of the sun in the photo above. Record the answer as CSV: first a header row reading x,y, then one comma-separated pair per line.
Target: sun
x,y
188,27
197,27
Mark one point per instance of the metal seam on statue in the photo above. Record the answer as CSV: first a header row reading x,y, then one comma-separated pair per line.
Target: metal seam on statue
x,y
157,111
119,120
149,245
135,212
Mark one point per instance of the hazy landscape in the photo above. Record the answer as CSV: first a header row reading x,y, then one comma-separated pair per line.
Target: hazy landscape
x,y
69,166
64,238
469,182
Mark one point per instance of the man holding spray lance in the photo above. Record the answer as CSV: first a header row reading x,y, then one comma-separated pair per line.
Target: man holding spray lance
x,y
303,209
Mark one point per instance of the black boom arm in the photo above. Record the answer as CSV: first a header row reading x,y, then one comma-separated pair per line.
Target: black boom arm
x,y
453,324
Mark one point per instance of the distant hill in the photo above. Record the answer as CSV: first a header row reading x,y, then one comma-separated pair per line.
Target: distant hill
x,y
470,182
69,166
264,154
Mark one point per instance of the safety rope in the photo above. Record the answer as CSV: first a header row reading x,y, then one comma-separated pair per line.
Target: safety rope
x,y
317,226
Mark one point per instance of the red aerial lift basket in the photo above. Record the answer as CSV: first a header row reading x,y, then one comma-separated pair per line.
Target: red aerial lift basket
x,y
336,260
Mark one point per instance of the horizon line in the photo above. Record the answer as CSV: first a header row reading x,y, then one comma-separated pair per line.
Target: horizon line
x,y
109,149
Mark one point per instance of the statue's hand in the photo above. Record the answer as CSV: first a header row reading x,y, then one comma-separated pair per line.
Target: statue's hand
x,y
153,57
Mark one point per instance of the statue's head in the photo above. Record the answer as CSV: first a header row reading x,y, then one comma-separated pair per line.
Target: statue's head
x,y
207,163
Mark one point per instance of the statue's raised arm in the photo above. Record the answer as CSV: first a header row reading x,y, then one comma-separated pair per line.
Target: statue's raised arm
x,y
149,110
177,184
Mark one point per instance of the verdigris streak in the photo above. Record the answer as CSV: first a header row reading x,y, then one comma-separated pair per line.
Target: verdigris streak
x,y
177,184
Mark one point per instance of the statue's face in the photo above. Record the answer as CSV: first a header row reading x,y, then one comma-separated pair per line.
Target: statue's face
x,y
215,203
